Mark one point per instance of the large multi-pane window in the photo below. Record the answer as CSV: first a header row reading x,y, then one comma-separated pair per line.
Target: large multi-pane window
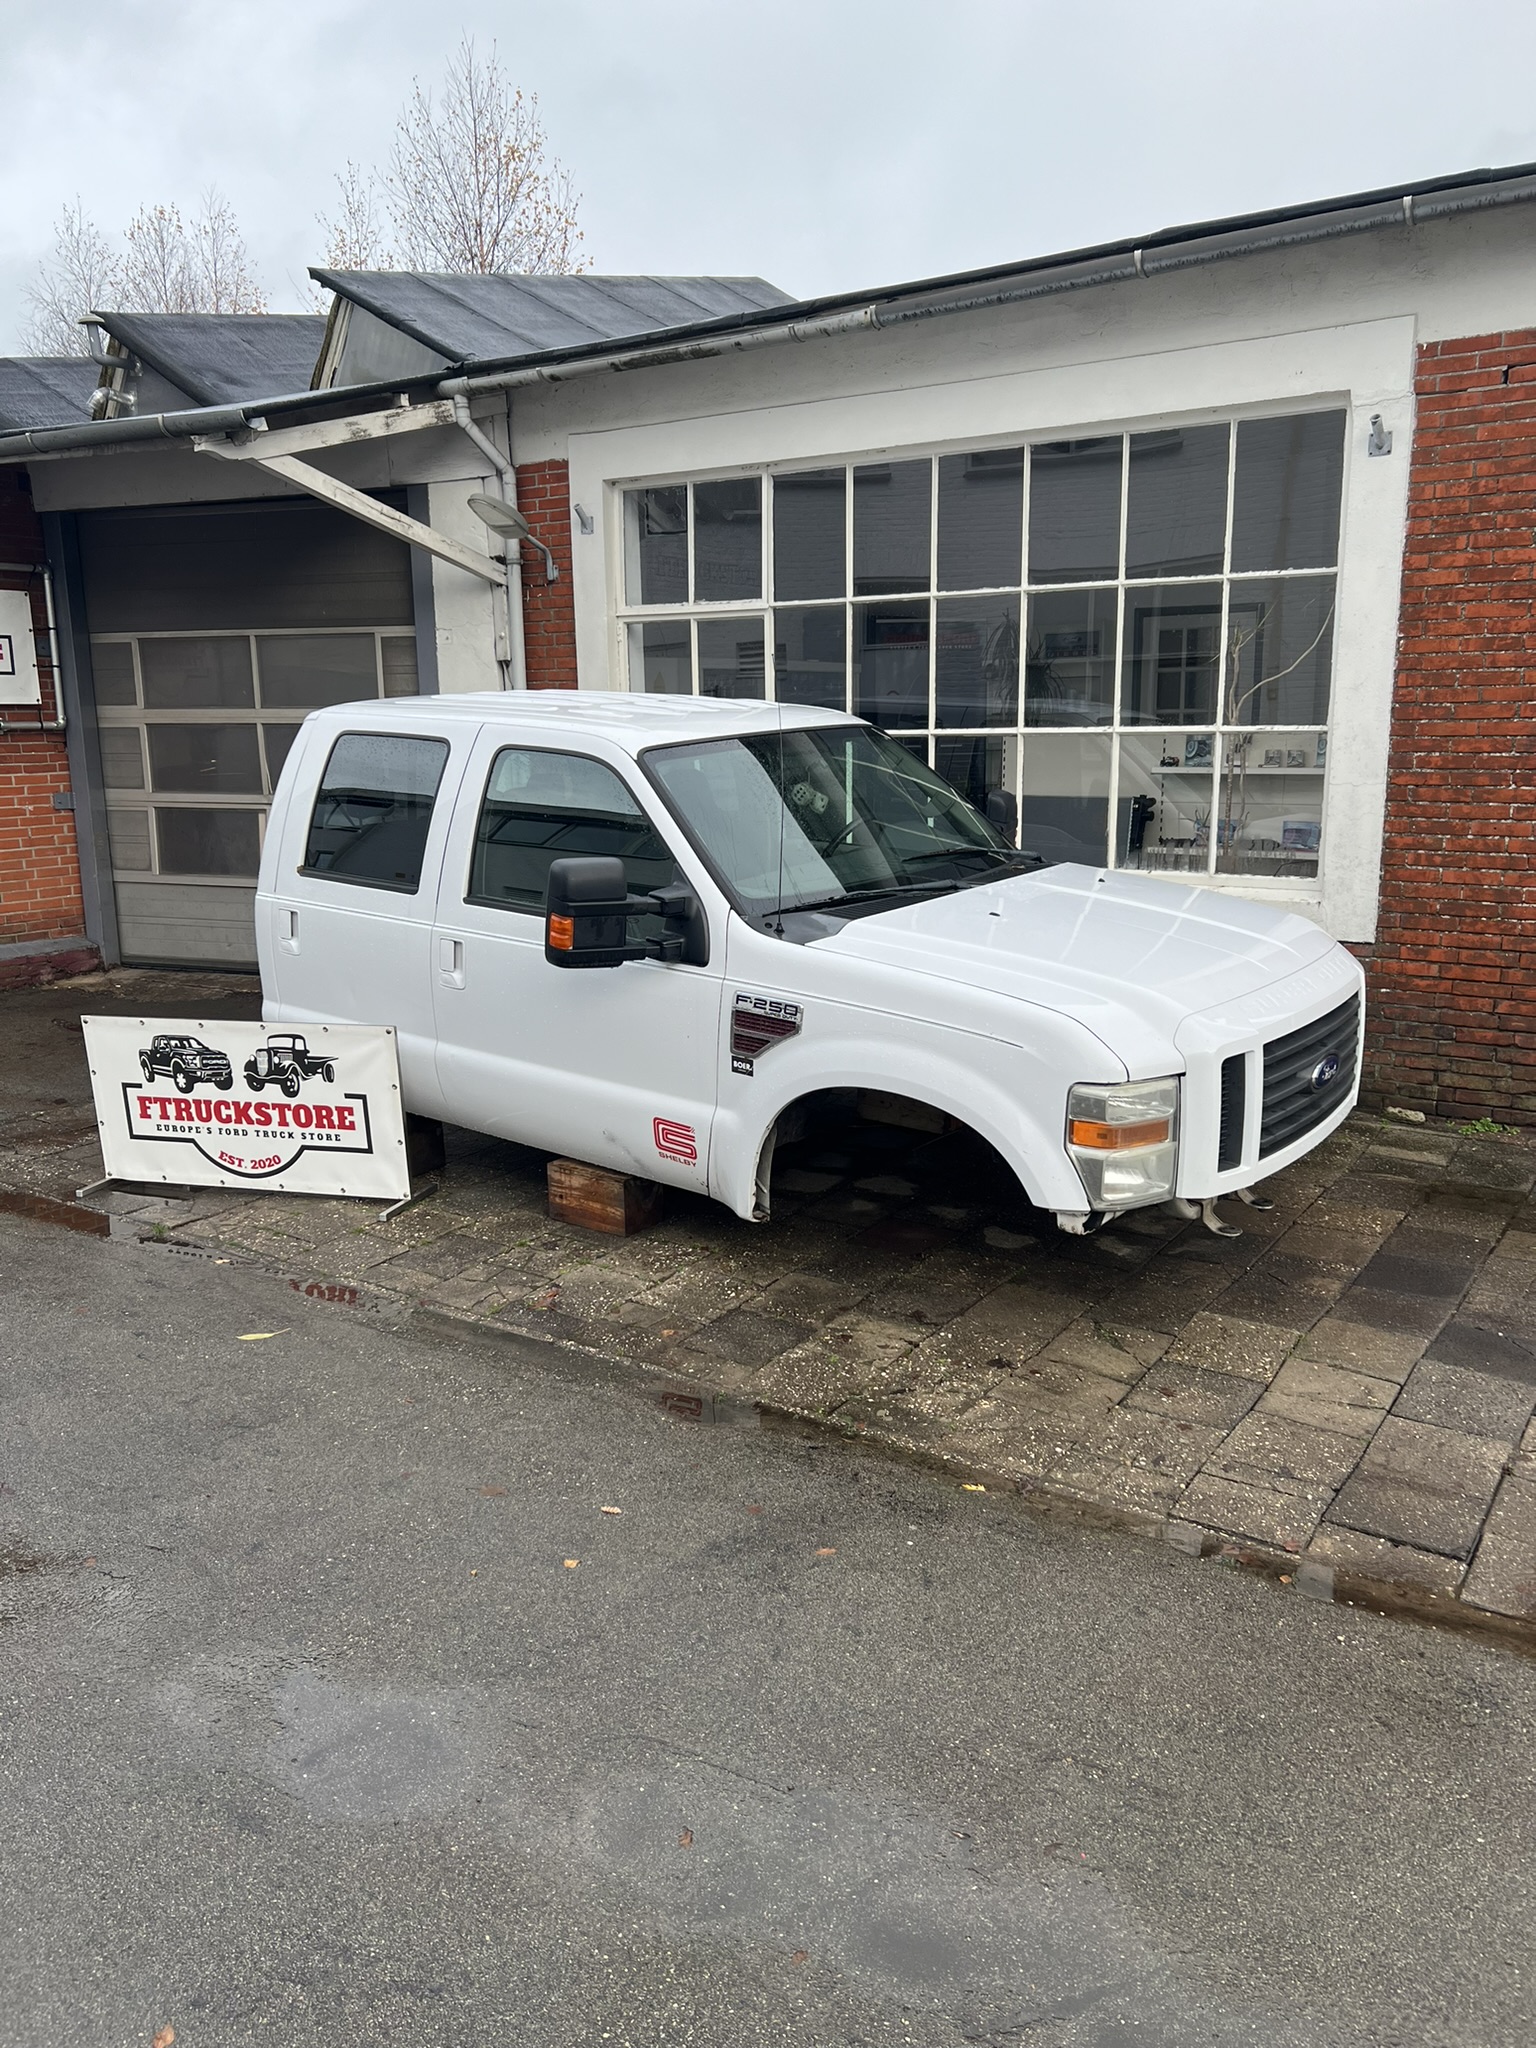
x,y
1123,645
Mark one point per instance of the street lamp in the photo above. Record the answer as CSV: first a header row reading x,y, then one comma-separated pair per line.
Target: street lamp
x,y
509,523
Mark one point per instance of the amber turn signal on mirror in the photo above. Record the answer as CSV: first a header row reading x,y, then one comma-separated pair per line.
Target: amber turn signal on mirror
x,y
560,933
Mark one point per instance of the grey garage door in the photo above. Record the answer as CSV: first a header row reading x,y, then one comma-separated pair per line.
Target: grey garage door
x,y
214,630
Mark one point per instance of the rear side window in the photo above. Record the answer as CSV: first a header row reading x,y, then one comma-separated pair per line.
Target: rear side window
x,y
374,809
540,807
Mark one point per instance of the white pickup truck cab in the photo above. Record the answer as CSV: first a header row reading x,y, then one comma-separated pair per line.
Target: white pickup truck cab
x,y
771,903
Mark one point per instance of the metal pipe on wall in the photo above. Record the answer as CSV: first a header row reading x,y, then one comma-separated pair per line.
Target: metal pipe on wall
x,y
506,476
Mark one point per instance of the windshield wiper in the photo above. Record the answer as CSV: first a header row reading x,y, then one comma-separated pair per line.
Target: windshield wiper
x,y
866,896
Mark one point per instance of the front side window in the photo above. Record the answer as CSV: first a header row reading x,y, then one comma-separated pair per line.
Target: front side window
x,y
541,807
1130,635
374,810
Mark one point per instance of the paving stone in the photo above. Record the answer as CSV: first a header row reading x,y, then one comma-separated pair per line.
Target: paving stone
x,y
1010,1323
1194,1393
1273,1450
1503,1575
1383,1354
1397,1314
1051,1395
1133,1459
1229,1344
1323,1396
1119,1352
749,1337
1467,1341
855,1211
1164,1299
1476,1403
1248,1508
1421,1485
942,1286
908,1236
812,1296
1328,1249
1347,1550
1284,1291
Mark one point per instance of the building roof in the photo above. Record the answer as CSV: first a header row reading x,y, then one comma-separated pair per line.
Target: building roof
x,y
222,358
463,319
44,391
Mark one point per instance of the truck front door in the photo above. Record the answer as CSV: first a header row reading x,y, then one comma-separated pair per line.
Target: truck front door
x,y
615,1066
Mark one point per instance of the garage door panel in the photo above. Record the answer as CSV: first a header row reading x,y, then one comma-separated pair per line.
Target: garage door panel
x,y
191,923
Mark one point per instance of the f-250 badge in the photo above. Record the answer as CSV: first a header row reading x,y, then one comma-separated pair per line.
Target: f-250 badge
x,y
757,1024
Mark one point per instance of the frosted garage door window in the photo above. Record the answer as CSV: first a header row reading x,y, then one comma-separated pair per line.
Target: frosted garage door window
x,y
374,810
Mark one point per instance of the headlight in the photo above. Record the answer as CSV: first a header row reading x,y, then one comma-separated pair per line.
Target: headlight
x,y
1123,1140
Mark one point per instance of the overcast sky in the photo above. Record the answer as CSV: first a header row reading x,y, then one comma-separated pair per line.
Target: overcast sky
x,y
825,144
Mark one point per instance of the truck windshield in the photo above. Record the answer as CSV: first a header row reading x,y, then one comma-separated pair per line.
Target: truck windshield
x,y
814,818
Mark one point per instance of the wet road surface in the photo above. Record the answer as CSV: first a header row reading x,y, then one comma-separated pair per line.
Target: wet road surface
x,y
334,1709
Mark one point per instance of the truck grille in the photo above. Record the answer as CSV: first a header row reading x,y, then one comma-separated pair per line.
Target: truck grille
x,y
1294,1101
1234,1102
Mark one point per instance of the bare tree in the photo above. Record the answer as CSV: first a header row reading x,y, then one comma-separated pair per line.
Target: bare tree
x,y
470,185
166,265
355,238
83,272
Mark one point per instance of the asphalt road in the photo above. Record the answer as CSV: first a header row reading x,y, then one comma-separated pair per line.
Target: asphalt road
x,y
309,1732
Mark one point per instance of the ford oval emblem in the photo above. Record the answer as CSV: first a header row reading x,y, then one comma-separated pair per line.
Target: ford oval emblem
x,y
1325,1071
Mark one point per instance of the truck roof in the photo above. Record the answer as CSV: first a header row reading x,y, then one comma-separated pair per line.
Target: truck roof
x,y
630,721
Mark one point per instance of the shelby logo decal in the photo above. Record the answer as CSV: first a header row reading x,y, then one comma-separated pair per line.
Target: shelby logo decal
x,y
758,1022
675,1141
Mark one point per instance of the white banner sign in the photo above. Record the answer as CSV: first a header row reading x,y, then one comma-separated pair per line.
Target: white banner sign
x,y
314,1112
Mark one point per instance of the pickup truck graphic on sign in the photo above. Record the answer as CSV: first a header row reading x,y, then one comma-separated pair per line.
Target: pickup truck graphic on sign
x,y
287,1062
186,1060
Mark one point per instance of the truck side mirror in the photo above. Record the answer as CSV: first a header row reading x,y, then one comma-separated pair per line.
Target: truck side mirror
x,y
1003,813
587,907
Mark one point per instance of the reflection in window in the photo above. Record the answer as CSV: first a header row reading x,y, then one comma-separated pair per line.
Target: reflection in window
x,y
1172,655
810,660
541,807
1069,676
985,772
1279,650
976,661
1285,498
890,643
981,519
374,809
892,524
1074,510
731,657
1269,812
661,659
810,543
1176,506
728,539
1163,811
1064,800
656,545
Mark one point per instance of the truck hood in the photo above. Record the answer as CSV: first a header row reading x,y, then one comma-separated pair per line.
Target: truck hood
x,y
1130,956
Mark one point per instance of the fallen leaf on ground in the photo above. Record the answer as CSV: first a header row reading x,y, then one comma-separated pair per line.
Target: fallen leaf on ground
x,y
754,1511
970,1486
685,1839
826,1551
571,1563
260,1336
493,1493
799,1955
165,2037
610,1511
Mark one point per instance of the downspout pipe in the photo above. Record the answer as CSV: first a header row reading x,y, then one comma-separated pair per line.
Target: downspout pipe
x,y
506,477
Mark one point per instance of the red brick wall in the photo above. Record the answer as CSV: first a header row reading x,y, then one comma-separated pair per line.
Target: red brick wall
x,y
549,609
39,866
1453,971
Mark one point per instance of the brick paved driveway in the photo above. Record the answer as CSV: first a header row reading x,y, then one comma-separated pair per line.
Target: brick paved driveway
x,y
1345,1392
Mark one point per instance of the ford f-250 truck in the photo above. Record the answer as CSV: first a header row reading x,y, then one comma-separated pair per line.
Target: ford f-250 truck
x,y
769,904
